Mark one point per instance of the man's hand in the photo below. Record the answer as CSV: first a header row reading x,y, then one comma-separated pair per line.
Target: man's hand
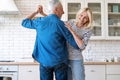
x,y
40,10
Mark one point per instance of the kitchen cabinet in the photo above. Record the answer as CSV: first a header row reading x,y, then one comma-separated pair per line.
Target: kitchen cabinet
x,y
98,18
28,72
94,72
106,16
71,7
112,72
112,18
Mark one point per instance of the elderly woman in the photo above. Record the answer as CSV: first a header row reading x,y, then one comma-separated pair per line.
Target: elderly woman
x,y
81,30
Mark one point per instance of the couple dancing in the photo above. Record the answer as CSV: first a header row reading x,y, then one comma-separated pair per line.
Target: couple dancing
x,y
51,50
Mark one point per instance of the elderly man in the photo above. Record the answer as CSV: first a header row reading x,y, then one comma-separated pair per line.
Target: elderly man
x,y
50,48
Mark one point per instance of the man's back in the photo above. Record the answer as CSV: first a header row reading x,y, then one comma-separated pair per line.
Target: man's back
x,y
51,42
50,46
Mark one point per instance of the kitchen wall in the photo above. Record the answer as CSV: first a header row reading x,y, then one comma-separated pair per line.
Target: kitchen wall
x,y
17,42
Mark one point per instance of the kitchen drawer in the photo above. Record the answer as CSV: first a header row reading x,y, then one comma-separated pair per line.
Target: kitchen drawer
x,y
94,72
113,69
29,72
113,77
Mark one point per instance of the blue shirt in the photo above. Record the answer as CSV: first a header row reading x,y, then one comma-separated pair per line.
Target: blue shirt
x,y
51,35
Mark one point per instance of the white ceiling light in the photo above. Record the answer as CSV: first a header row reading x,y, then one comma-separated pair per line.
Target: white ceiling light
x,y
8,7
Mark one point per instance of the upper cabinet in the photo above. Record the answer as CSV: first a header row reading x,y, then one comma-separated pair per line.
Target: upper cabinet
x,y
71,7
112,17
98,17
106,16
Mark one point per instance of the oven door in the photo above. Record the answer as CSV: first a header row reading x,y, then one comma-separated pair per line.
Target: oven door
x,y
6,77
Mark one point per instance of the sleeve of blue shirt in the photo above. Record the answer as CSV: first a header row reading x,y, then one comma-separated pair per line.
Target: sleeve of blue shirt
x,y
67,35
32,24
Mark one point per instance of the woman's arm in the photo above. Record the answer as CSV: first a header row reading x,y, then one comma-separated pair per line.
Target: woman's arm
x,y
78,41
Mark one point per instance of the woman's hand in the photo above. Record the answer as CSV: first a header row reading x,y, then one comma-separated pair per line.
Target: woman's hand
x,y
77,39
68,26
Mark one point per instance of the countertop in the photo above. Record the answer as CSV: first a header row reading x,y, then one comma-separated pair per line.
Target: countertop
x,y
102,63
35,63
19,63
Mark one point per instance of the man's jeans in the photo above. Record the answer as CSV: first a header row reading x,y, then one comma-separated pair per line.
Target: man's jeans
x,y
46,73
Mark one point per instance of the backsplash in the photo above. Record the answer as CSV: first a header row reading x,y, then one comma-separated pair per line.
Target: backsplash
x,y
103,50
17,42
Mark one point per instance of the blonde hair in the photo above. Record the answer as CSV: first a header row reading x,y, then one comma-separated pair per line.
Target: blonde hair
x,y
90,17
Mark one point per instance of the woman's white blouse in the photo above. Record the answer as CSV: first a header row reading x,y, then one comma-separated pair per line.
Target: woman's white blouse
x,y
84,35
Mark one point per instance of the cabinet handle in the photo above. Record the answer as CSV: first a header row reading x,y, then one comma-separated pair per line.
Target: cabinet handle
x,y
92,70
29,71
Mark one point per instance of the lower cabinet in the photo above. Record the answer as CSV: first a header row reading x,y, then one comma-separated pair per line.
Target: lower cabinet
x,y
28,72
94,72
112,72
113,77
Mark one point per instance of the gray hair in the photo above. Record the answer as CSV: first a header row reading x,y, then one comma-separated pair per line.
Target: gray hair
x,y
52,4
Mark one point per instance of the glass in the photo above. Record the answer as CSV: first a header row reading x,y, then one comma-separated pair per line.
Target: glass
x,y
96,31
114,31
96,9
113,7
109,8
97,20
73,9
114,19
71,16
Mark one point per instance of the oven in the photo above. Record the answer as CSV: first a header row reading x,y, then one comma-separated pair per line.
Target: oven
x,y
8,72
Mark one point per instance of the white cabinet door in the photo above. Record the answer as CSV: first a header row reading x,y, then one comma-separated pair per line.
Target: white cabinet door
x,y
112,18
28,72
98,18
113,77
113,69
95,72
113,72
